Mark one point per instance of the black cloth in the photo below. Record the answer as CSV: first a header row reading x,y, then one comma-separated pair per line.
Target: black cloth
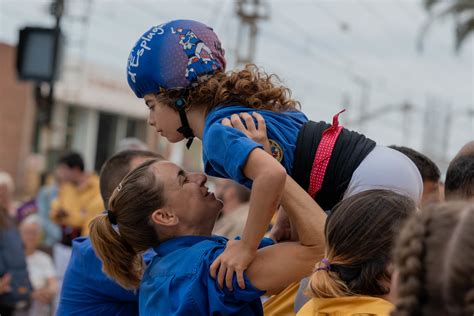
x,y
349,151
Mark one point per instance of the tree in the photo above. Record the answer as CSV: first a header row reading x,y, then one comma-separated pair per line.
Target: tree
x,y
461,10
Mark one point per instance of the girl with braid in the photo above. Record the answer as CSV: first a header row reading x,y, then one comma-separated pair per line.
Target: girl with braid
x,y
434,262
354,277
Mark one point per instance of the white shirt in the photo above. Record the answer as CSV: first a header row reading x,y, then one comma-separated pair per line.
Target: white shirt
x,y
40,269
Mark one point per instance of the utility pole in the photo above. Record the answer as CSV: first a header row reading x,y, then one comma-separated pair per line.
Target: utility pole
x,y
249,13
364,100
57,10
75,69
406,109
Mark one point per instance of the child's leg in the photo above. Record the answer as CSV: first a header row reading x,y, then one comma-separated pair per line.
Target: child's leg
x,y
386,168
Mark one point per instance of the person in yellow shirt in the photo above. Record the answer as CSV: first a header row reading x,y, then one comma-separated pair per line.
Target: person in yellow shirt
x,y
78,199
77,203
354,277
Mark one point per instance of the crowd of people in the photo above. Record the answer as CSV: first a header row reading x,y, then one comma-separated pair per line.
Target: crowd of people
x,y
307,218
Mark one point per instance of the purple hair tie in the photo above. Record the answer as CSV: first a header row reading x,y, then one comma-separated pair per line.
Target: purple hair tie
x,y
327,265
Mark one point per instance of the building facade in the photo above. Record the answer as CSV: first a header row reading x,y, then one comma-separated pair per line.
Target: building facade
x,y
94,109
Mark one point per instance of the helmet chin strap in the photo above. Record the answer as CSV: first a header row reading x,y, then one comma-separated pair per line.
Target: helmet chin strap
x,y
185,129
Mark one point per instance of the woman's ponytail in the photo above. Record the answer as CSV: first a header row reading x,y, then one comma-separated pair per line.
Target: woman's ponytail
x,y
120,261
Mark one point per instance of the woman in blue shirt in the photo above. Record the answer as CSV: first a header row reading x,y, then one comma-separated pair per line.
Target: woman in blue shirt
x,y
160,205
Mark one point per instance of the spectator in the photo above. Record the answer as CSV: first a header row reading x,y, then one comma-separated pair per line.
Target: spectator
x,y
6,192
354,277
467,149
44,199
234,213
78,201
459,182
15,287
434,262
40,268
86,289
432,187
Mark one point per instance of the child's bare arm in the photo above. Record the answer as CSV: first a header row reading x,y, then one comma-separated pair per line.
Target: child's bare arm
x,y
268,182
268,176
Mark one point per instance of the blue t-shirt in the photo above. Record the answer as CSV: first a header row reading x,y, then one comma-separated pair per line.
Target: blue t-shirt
x,y
226,149
178,282
86,290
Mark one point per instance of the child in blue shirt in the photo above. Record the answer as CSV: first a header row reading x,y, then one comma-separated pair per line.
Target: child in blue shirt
x,y
179,69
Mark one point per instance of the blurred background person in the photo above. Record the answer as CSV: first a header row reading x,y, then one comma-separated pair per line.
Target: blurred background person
x,y
40,266
78,199
15,287
46,195
7,188
234,213
77,202
460,175
467,149
460,178
430,173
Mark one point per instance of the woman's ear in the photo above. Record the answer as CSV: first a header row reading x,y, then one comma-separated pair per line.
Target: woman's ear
x,y
163,217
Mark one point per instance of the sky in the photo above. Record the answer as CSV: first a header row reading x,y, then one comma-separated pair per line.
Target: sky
x,y
336,54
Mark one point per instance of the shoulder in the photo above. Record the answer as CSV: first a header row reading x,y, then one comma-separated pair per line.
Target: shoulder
x,y
185,261
83,256
82,245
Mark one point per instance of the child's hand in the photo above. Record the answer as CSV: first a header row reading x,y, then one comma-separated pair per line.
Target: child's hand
x,y
256,133
236,257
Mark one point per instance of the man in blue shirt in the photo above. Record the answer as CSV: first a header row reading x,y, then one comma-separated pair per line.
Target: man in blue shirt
x,y
86,289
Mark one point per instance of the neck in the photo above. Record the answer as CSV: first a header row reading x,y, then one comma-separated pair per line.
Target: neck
x,y
82,179
29,251
230,206
197,119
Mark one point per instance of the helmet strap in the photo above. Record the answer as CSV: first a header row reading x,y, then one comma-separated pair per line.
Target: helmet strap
x,y
185,129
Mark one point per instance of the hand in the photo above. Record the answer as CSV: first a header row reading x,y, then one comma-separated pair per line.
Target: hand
x,y
5,283
236,257
256,133
61,214
43,295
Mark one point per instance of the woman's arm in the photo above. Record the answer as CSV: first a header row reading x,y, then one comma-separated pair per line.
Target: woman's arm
x,y
275,267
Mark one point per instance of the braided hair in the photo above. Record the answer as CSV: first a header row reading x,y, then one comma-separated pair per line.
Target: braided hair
x,y
434,258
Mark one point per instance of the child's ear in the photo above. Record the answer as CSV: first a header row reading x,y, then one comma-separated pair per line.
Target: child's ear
x,y
163,217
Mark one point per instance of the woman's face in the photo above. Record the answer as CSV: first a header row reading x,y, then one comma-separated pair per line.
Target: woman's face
x,y
163,118
187,195
30,235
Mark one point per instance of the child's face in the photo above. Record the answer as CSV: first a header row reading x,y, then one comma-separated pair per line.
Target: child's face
x,y
163,118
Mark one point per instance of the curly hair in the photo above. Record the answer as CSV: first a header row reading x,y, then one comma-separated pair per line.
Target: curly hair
x,y
434,257
251,87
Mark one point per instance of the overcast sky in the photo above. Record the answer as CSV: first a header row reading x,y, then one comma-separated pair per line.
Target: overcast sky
x,y
322,50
